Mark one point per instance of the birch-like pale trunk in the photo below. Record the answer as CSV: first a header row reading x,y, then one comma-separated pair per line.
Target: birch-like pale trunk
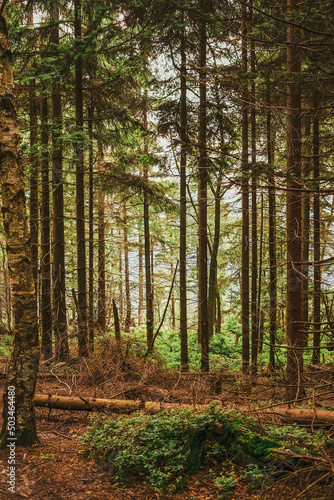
x,y
23,365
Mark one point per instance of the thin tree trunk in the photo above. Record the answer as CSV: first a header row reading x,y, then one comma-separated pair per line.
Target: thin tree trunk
x,y
183,210
219,312
34,229
101,315
80,188
316,235
294,328
23,366
116,322
213,260
272,240
245,204
45,237
260,258
140,280
147,245
254,311
305,232
59,320
121,301
91,228
202,201
127,323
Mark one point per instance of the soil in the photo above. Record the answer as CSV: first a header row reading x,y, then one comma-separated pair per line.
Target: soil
x,y
57,468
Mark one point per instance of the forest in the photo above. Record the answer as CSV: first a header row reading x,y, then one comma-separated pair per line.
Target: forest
x,y
166,293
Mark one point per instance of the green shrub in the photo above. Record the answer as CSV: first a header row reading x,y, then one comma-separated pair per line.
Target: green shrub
x,y
164,449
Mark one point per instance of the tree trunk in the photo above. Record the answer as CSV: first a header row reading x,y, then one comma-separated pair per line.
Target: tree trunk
x,y
219,312
140,280
316,235
245,204
272,240
23,366
101,315
147,245
183,210
91,228
294,328
116,321
45,237
254,311
34,229
127,322
80,187
202,199
305,230
213,260
120,267
59,320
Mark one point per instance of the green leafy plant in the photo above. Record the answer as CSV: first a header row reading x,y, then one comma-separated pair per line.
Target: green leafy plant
x,y
164,449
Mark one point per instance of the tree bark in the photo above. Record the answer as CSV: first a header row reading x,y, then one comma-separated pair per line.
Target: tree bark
x,y
305,231
272,240
59,320
127,322
147,246
254,311
140,279
91,228
101,315
202,199
316,235
34,219
294,327
213,260
80,187
46,314
245,203
116,321
183,210
23,366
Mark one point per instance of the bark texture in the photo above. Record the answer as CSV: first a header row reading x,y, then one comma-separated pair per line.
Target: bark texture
x,y
316,235
183,211
45,237
245,206
202,195
101,315
80,189
58,247
294,327
23,366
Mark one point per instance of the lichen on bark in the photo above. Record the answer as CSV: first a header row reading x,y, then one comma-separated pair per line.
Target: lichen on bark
x,y
23,366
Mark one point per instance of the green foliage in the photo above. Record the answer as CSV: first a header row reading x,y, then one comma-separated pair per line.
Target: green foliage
x,y
164,449
6,345
225,484
298,439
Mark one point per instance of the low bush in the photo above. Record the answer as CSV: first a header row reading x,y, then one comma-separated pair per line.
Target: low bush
x,y
162,450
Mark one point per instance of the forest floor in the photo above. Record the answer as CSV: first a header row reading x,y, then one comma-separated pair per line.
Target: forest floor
x,y
57,468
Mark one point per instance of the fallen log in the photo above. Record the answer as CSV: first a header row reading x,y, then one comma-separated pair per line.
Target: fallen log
x,y
86,404
302,415
299,415
114,405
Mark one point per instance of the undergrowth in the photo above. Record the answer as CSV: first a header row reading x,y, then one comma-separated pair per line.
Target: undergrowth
x,y
164,449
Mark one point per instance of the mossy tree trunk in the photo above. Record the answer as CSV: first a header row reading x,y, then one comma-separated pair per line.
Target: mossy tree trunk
x,y
23,366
